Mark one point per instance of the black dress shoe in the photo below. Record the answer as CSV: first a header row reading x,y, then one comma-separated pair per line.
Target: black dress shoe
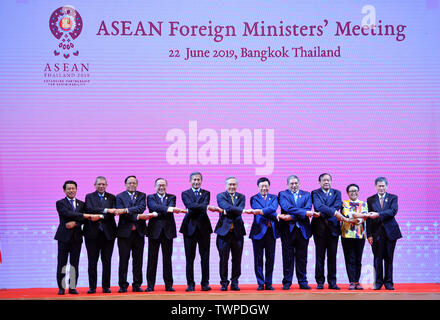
x,y
170,289
224,288
260,287
334,287
286,287
61,291
91,291
357,286
106,290
189,288
73,291
269,287
352,286
149,289
305,286
389,287
122,290
320,286
235,288
137,289
377,287
206,288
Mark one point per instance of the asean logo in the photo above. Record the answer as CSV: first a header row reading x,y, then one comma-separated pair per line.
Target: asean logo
x,y
66,24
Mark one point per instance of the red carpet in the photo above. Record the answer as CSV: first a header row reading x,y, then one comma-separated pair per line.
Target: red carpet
x,y
248,292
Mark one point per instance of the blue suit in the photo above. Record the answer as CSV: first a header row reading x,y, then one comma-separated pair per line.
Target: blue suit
x,y
230,241
295,235
385,232
326,230
264,234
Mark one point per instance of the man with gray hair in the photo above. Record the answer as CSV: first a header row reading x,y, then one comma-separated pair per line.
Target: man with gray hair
x,y
230,231
383,232
296,209
100,235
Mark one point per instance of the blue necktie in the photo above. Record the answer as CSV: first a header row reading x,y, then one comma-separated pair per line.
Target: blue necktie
x,y
71,203
102,203
196,193
295,195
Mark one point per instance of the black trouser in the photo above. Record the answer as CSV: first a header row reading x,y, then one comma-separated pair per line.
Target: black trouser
x,y
65,249
264,246
294,248
95,247
383,251
153,254
134,244
230,243
353,249
326,244
191,243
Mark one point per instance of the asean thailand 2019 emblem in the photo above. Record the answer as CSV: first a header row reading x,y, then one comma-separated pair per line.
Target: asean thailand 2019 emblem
x,y
66,24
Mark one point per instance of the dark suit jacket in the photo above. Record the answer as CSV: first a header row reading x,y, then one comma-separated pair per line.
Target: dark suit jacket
x,y
297,211
196,218
269,208
67,214
127,220
165,220
386,216
233,215
95,206
327,222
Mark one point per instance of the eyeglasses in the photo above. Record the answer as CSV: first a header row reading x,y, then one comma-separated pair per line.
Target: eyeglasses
x,y
353,191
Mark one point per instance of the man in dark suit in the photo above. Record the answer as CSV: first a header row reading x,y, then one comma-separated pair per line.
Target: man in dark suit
x,y
383,232
196,229
296,209
131,233
326,230
71,212
264,232
230,231
100,235
161,232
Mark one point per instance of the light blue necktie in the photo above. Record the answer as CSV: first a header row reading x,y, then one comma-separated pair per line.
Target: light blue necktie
x,y
295,195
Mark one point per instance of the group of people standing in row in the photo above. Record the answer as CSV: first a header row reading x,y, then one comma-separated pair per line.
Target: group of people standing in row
x,y
353,219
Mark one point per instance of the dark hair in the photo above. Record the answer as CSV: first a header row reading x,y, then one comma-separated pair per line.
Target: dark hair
x,y
69,182
125,181
155,182
352,185
324,174
195,174
263,179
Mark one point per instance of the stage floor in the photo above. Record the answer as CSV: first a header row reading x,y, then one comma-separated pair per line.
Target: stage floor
x,y
404,291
